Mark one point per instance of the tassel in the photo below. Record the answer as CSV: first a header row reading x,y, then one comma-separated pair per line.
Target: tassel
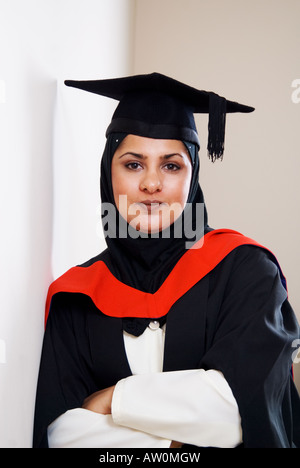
x,y
216,127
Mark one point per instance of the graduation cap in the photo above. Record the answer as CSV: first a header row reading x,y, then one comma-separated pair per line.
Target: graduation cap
x,y
156,106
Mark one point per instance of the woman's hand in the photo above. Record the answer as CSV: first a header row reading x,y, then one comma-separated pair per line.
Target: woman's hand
x,y
100,402
175,444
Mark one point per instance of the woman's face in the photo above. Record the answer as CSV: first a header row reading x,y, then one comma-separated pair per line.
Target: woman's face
x,y
151,180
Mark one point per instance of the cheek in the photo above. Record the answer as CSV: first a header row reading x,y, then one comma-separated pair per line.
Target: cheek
x,y
122,186
178,189
116,184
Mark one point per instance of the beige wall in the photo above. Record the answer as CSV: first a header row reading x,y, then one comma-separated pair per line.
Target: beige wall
x,y
247,51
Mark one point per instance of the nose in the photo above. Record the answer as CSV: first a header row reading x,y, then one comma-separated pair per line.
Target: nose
x,y
151,182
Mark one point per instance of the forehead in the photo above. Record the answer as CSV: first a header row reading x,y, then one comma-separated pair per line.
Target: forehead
x,y
151,146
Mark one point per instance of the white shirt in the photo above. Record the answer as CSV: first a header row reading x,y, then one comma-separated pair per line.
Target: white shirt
x,y
151,408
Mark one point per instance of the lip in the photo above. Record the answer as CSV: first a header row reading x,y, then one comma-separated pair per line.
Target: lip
x,y
150,202
151,205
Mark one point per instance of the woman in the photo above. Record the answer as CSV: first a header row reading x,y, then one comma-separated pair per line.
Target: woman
x,y
176,334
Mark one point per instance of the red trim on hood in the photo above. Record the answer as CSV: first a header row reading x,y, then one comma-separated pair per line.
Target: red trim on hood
x,y
116,299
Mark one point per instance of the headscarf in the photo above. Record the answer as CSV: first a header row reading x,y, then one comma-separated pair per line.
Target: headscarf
x,y
145,261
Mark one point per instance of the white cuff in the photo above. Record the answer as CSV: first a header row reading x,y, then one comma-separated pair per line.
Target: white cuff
x,y
195,407
81,428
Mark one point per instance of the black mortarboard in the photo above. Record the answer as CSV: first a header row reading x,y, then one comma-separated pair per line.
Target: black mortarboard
x,y
157,106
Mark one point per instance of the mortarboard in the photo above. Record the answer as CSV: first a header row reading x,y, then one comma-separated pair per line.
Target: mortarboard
x,y
156,106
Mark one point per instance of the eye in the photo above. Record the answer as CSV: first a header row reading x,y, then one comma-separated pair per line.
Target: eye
x,y
133,166
172,167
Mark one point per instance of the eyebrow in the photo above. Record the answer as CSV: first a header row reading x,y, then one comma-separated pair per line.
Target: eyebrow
x,y
141,156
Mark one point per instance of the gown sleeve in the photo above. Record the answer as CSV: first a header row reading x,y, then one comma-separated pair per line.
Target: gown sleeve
x,y
81,428
194,407
64,380
249,340
252,347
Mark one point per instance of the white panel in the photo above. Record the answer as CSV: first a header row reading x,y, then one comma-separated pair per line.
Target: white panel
x,y
50,147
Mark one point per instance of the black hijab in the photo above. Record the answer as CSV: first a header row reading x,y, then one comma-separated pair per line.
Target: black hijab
x,y
145,261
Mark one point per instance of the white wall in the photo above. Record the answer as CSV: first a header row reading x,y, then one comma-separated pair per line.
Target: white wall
x,y
246,51
49,184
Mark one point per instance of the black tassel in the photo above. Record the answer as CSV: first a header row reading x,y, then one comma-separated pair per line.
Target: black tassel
x,y
216,127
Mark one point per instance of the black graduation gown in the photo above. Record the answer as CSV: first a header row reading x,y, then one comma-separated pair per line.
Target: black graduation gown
x,y
236,319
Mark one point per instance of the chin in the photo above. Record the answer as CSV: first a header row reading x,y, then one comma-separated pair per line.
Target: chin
x,y
154,226
153,223
150,227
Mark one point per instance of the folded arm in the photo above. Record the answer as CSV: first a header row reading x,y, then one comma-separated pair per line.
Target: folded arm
x,y
194,407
